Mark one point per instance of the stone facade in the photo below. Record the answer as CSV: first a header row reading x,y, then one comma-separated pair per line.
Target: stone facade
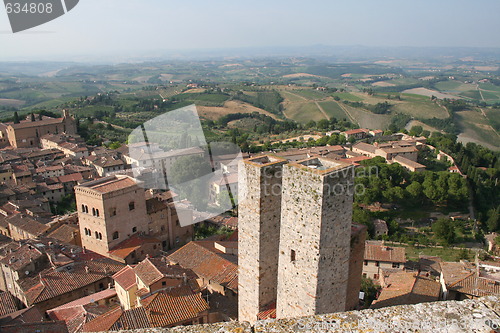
x,y
356,256
110,210
259,229
28,133
315,237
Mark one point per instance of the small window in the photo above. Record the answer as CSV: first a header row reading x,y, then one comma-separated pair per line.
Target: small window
x,y
96,235
164,283
100,236
97,212
366,262
131,205
364,275
292,256
112,211
395,265
375,276
116,235
83,208
93,211
377,263
134,229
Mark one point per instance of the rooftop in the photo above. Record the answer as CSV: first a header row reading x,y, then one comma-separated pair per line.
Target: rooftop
x,y
384,253
110,184
207,263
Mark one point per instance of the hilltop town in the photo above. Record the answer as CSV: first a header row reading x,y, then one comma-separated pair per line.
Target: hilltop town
x,y
90,242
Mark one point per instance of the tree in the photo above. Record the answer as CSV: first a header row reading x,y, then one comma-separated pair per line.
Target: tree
x,y
323,124
443,229
415,191
33,116
16,118
370,289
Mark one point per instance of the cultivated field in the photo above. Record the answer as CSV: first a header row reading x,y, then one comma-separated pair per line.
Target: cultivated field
x,y
214,113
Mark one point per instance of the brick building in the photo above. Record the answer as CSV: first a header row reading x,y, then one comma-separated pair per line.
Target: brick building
x,y
28,133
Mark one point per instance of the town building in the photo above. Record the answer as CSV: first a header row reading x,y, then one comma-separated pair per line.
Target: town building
x,y
407,288
379,256
116,220
27,133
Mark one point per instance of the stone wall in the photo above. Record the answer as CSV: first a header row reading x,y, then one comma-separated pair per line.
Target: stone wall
x,y
315,238
259,229
478,315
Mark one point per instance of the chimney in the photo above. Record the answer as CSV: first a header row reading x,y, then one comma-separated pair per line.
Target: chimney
x,y
87,269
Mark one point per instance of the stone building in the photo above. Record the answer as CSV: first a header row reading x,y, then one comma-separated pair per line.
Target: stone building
x,y
379,256
116,220
315,264
110,210
259,227
316,217
28,133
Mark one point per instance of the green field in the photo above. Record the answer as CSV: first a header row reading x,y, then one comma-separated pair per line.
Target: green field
x,y
291,96
332,109
448,85
419,107
347,96
310,94
303,112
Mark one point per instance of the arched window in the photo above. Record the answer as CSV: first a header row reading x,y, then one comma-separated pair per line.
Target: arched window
x,y
86,209
83,208
96,235
100,236
97,212
93,211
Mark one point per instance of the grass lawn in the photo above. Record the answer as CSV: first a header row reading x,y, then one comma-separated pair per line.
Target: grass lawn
x,y
447,254
333,109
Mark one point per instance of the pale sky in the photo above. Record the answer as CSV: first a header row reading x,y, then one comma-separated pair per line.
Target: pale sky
x,y
119,28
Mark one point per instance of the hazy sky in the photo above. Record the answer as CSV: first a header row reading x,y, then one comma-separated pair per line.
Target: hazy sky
x,y
127,27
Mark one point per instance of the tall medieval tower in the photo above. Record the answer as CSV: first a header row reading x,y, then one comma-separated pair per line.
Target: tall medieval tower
x,y
259,229
316,214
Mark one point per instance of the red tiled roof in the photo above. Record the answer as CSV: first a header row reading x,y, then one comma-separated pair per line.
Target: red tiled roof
x,y
7,303
476,286
52,283
174,306
125,278
162,309
385,253
38,123
113,185
104,294
73,177
207,264
153,270
20,258
135,242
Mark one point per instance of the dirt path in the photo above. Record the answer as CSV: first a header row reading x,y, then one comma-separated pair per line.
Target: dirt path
x,y
347,112
321,109
301,97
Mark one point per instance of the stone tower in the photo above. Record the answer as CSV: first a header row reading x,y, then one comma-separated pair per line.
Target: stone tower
x,y
315,235
259,229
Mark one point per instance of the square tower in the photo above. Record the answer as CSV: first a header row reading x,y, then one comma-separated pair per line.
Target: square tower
x,y
259,210
110,210
316,214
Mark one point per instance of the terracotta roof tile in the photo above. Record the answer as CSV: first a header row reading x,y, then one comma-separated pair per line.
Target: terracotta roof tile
x,y
385,253
207,264
125,278
8,303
